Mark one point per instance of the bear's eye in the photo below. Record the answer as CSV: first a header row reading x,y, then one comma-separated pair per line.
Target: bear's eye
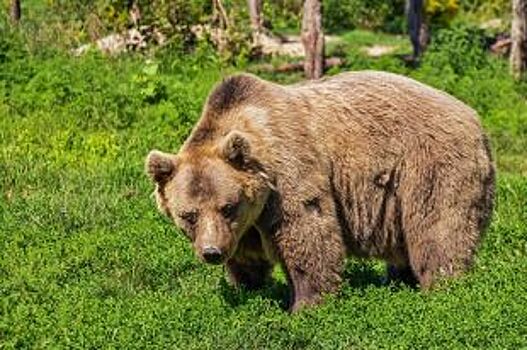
x,y
190,217
229,210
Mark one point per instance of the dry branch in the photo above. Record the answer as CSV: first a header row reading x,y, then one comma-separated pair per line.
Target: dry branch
x,y
296,66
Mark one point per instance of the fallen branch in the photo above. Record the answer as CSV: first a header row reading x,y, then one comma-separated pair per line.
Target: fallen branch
x,y
296,66
134,39
501,46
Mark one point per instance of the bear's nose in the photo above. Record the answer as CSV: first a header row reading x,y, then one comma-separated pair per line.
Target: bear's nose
x,y
212,255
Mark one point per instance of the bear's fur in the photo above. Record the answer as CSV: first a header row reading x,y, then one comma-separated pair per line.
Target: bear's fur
x,y
364,163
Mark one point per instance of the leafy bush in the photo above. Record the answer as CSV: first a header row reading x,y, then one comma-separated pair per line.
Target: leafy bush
x,y
487,8
101,17
365,14
458,48
286,15
283,15
441,11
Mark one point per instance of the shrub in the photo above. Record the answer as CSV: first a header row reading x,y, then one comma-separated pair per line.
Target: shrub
x,y
376,14
487,8
441,11
458,48
283,14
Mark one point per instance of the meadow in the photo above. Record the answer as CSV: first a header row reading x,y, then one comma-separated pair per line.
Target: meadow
x,y
86,260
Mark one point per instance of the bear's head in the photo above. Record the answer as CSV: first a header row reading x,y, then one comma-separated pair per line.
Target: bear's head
x,y
213,193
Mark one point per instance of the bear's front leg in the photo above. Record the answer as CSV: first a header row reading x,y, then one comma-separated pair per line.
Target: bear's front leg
x,y
310,245
249,267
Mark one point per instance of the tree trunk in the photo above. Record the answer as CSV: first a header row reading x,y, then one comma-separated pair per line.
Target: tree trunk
x,y
518,59
255,12
15,11
313,39
134,12
220,15
415,26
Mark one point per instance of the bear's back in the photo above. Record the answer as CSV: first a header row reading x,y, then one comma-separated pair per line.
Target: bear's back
x,y
368,113
387,100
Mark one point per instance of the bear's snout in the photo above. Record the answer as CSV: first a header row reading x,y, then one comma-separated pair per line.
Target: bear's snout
x,y
212,255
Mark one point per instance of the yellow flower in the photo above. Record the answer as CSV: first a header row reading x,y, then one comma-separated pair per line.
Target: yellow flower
x,y
441,9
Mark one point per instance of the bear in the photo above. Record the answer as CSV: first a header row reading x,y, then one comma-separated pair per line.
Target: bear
x,y
366,164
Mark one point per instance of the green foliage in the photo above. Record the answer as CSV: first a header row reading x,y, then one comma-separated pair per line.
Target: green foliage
x,y
458,48
286,15
378,14
98,18
283,15
441,11
86,261
487,8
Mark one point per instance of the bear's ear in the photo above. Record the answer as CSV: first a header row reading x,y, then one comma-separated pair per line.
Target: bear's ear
x,y
236,149
160,166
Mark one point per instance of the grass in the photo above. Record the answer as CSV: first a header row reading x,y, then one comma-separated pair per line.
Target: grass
x,y
86,261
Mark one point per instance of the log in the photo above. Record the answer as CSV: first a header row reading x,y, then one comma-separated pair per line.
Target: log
x,y
501,46
296,66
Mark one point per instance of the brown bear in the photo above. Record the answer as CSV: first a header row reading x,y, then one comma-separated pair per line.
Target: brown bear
x,y
369,164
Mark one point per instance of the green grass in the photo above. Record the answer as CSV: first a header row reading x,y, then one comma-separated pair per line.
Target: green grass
x,y
86,261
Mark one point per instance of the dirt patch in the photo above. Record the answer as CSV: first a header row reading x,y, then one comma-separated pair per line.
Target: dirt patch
x,y
379,50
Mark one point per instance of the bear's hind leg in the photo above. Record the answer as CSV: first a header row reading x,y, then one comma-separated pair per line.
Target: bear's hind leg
x,y
430,262
443,250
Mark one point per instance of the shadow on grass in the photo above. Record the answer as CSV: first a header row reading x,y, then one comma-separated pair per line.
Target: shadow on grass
x,y
357,275
274,290
361,275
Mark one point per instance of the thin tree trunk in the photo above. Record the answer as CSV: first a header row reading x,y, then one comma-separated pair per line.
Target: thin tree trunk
x,y
424,36
313,39
15,11
134,12
220,14
220,35
255,12
415,26
518,58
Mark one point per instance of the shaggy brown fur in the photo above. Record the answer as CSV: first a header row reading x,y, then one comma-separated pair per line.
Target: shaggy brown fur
x,y
365,163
